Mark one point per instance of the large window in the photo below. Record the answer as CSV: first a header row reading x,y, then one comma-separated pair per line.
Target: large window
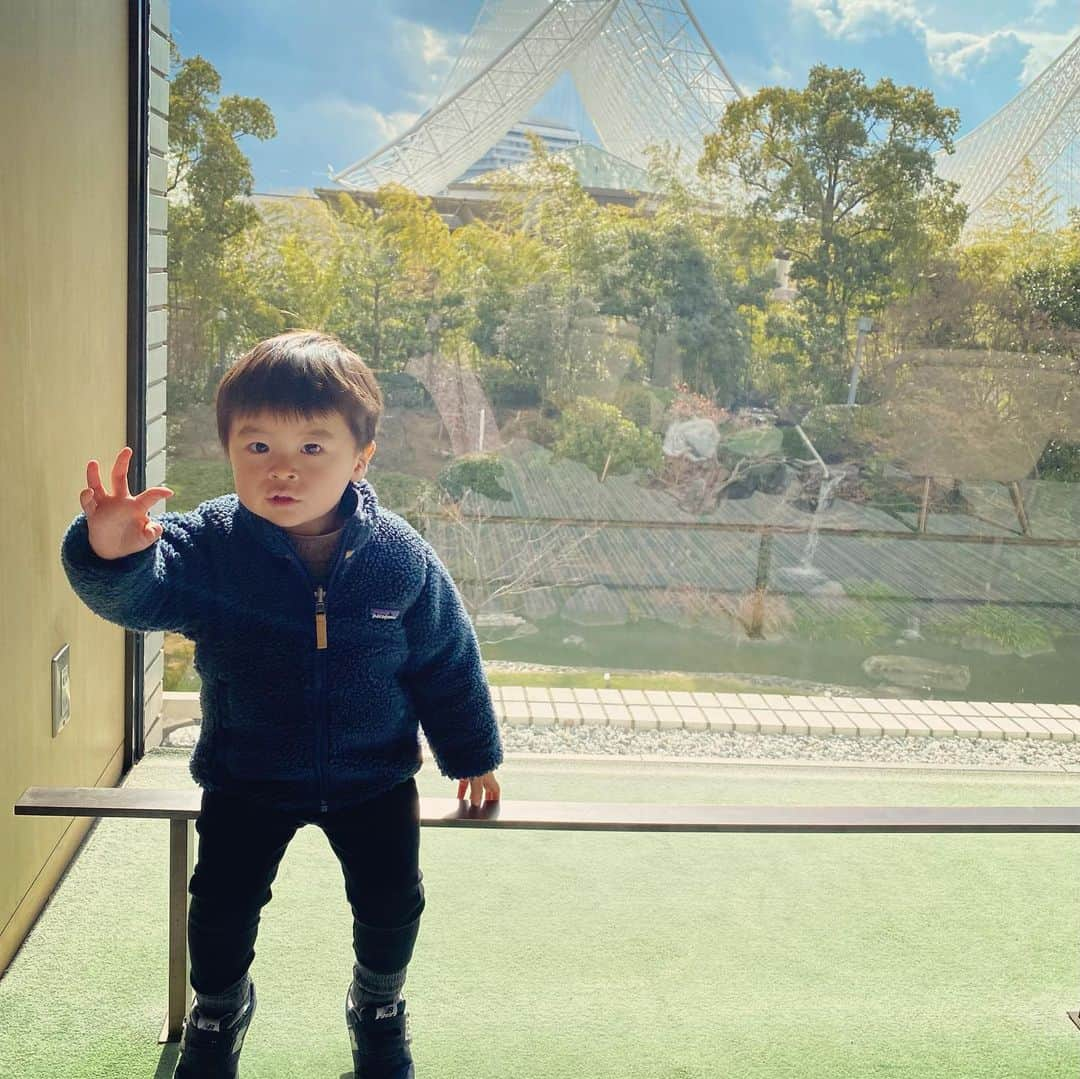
x,y
795,411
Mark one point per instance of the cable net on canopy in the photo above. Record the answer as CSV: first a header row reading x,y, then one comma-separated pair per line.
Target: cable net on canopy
x,y
1037,133
643,69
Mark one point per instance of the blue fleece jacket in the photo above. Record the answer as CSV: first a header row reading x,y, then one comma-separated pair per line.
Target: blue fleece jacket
x,y
311,698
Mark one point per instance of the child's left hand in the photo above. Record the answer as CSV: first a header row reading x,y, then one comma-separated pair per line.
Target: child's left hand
x,y
480,788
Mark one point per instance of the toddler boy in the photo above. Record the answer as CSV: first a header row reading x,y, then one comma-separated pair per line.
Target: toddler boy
x,y
326,630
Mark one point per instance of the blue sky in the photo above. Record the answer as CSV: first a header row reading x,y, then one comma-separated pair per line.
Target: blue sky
x,y
345,76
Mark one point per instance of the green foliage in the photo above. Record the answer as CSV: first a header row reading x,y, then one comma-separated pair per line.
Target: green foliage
x,y
841,433
208,183
861,624
662,277
542,430
1060,461
196,481
479,472
401,390
637,404
404,494
792,446
596,433
1001,625
754,442
844,178
1053,287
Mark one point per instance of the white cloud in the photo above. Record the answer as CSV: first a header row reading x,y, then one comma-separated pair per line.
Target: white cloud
x,y
365,124
1044,49
952,54
858,19
427,56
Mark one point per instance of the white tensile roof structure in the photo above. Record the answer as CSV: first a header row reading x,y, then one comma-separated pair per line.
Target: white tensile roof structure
x,y
642,68
1041,125
647,76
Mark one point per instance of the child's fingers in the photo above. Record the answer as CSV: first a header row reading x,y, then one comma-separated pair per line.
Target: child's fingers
x,y
87,501
151,496
93,479
152,531
119,473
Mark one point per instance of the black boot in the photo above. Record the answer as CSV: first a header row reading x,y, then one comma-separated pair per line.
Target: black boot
x,y
380,1040
210,1047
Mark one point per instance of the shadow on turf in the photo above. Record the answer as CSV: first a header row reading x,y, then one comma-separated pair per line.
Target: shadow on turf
x,y
169,1054
167,1061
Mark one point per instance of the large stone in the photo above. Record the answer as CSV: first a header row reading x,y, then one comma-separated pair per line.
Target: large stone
x,y
917,672
502,626
696,439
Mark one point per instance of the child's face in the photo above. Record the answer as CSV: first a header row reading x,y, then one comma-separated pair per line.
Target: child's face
x,y
293,471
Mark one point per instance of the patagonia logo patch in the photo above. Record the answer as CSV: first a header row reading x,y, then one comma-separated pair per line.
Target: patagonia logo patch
x,y
385,613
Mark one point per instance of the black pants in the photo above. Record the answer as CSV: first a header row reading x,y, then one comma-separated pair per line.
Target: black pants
x,y
240,847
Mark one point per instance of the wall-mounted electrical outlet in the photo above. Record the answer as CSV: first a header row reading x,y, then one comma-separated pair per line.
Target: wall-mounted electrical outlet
x,y
61,690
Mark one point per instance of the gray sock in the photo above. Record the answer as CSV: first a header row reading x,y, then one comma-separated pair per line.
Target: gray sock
x,y
370,987
232,999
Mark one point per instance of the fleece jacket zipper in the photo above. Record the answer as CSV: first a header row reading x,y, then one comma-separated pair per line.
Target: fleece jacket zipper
x,y
322,703
322,758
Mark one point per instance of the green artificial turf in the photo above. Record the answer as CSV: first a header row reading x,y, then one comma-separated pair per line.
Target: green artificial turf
x,y
555,955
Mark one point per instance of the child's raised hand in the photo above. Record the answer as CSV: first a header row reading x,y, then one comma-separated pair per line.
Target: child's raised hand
x,y
119,523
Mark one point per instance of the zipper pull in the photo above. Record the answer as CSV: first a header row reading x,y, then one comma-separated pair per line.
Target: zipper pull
x,y
320,618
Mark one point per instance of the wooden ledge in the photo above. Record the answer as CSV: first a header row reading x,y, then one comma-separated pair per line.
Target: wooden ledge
x,y
599,816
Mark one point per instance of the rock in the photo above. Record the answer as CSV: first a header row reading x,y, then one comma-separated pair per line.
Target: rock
x,y
696,439
575,640
916,672
503,625
501,619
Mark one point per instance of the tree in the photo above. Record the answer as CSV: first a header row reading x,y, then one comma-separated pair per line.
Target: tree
x,y
841,175
208,183
664,280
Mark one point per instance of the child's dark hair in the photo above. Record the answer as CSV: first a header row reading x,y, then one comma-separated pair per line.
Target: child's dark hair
x,y
301,373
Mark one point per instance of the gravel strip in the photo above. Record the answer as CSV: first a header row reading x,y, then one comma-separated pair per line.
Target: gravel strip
x,y
620,742
961,752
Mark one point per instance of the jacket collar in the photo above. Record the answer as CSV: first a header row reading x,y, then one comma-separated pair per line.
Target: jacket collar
x,y
358,507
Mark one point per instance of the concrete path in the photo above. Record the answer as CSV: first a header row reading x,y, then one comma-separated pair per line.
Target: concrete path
x,y
755,713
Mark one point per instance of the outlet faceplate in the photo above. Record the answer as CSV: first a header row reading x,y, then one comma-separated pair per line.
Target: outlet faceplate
x,y
61,690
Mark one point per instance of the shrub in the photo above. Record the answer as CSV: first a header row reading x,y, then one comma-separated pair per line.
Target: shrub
x,y
792,445
479,472
400,492
1059,461
753,442
507,388
860,589
590,431
401,390
636,403
840,432
688,405
1010,629
861,624
542,430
